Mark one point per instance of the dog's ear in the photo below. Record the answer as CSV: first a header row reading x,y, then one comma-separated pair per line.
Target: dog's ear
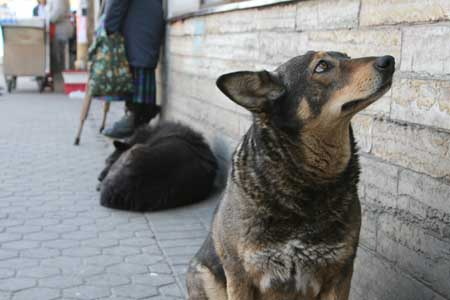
x,y
121,146
252,90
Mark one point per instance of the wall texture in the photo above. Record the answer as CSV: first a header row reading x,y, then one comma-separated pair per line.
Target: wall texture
x,y
404,138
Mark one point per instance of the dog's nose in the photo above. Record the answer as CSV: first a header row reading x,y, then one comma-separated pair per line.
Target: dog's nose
x,y
385,62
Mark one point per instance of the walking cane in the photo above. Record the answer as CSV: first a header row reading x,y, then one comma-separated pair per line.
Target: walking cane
x,y
88,100
84,113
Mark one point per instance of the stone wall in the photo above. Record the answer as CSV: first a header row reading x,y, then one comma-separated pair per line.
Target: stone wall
x,y
404,137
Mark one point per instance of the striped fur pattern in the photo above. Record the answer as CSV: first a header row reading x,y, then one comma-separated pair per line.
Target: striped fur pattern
x,y
288,224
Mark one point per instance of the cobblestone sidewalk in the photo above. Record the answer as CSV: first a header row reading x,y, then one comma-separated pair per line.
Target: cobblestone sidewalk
x,y
56,241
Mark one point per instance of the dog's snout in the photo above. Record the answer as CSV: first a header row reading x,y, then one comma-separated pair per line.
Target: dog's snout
x,y
385,62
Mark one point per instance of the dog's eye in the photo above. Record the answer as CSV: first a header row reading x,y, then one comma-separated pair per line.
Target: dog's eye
x,y
321,67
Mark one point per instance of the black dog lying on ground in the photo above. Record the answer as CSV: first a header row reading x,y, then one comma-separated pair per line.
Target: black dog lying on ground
x,y
157,168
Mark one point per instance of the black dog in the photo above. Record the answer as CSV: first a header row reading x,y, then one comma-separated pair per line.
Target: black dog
x,y
157,168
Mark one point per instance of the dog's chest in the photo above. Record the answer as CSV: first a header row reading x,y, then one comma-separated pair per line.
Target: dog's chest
x,y
294,266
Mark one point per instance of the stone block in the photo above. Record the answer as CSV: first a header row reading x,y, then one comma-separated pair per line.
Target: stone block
x,y
358,43
421,255
329,14
420,149
424,102
426,50
380,181
429,191
241,46
382,12
376,279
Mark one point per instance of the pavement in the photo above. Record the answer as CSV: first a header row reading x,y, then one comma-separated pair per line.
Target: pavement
x,y
56,241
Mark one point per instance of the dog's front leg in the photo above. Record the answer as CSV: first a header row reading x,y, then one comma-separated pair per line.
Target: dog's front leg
x,y
239,287
341,290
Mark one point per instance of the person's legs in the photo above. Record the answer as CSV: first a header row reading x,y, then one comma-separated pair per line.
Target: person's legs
x,y
141,106
145,95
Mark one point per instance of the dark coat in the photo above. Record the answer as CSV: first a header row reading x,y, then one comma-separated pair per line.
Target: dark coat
x,y
142,24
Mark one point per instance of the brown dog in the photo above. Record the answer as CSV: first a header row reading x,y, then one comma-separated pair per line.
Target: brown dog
x,y
288,225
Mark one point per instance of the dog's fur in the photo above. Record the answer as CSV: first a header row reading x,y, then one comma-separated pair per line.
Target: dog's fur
x,y
288,224
158,168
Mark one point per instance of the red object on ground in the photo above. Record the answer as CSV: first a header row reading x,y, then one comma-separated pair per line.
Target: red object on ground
x,y
75,80
52,31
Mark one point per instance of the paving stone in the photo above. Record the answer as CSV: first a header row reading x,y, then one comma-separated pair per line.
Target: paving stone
x,y
161,268
41,236
78,221
153,279
121,251
186,250
138,241
108,280
62,262
132,227
8,236
61,228
144,259
180,269
10,223
127,269
56,241
24,229
39,272
37,293
42,222
171,290
100,243
18,263
16,284
79,235
40,253
183,235
81,252
6,273
60,244
135,291
4,254
116,235
154,249
86,292
60,282
20,245
104,260
180,259
86,271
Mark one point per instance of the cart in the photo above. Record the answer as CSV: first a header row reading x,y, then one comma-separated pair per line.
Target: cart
x,y
27,52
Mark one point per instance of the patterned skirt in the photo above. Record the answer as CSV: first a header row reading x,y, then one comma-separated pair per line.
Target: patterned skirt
x,y
144,85
144,81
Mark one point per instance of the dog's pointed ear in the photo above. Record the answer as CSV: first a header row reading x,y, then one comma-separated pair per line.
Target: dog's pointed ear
x,y
252,90
121,146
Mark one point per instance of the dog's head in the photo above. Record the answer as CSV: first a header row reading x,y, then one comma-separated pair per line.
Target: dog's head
x,y
119,149
311,99
315,90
